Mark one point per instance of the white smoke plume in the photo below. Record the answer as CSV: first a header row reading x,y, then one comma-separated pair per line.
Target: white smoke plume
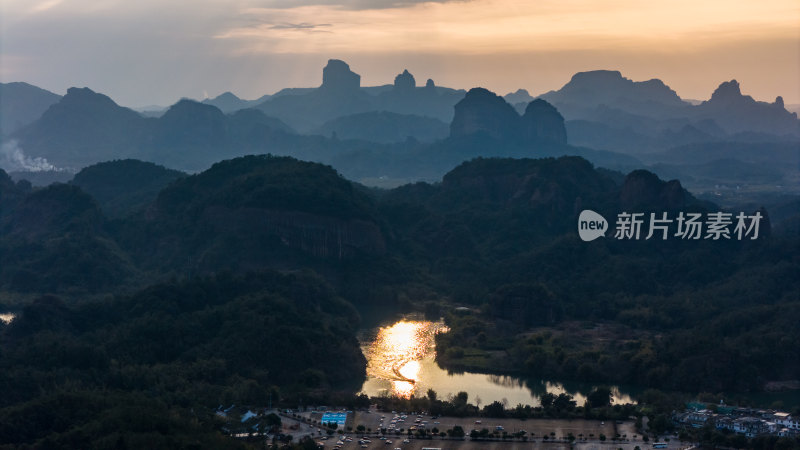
x,y
13,159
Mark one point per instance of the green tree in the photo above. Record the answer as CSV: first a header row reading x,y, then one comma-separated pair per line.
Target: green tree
x,y
599,397
432,395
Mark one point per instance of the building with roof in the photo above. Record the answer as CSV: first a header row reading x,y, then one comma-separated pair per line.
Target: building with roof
x,y
339,418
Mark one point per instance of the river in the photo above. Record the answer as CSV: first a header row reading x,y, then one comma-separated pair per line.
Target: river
x,y
401,362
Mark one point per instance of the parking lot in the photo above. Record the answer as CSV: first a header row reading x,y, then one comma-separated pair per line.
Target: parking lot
x,y
586,432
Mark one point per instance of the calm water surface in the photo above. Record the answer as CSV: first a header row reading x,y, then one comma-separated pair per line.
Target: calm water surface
x,y
401,363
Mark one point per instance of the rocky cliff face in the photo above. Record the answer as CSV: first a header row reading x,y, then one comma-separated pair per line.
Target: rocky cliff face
x,y
737,112
337,76
644,190
609,87
481,111
543,123
405,81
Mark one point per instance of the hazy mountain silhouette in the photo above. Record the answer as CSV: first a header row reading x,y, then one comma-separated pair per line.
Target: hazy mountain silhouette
x,y
227,102
735,112
191,125
587,90
85,127
405,97
704,165
721,171
482,111
605,110
542,122
21,104
384,127
341,95
519,99
192,135
365,131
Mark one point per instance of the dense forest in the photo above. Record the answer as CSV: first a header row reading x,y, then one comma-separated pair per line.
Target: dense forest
x,y
141,306
136,365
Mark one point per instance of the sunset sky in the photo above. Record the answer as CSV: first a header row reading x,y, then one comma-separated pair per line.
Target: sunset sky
x,y
148,52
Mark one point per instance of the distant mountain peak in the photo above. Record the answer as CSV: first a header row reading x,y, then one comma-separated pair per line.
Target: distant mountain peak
x,y
429,84
87,96
543,123
587,91
484,111
642,187
520,96
597,76
227,95
21,104
78,91
338,76
726,91
187,103
405,81
735,111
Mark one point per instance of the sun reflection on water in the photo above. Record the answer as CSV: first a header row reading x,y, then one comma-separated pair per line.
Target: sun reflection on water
x,y
397,350
401,363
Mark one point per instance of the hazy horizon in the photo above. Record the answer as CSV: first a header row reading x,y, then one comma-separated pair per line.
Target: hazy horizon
x,y
152,53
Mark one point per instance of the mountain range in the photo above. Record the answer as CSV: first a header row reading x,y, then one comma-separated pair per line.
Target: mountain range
x,y
399,132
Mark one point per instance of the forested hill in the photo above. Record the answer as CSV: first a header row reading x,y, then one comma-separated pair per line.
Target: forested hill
x,y
132,368
244,280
